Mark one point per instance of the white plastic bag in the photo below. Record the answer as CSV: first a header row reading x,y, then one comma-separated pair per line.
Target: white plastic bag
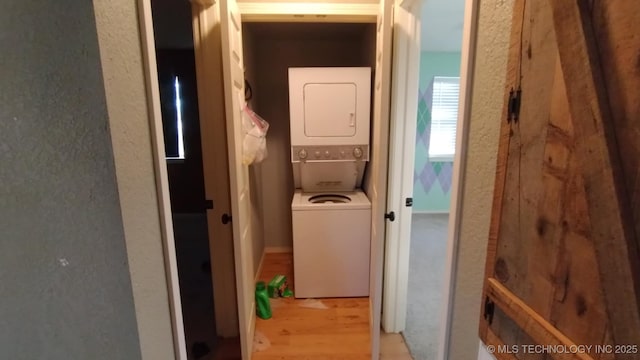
x,y
254,144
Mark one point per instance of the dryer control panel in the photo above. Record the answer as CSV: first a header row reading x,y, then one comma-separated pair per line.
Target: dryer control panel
x,y
330,153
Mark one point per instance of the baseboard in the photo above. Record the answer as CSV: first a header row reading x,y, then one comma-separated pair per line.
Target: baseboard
x,y
278,249
251,328
430,212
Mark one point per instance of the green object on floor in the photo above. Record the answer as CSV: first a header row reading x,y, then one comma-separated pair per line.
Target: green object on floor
x,y
263,307
278,287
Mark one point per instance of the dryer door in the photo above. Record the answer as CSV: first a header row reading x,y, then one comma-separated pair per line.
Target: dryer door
x,y
330,109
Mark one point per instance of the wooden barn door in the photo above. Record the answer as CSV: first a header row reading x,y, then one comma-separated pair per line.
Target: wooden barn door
x,y
563,262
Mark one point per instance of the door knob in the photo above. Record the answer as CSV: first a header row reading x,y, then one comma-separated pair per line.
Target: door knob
x,y
226,218
390,215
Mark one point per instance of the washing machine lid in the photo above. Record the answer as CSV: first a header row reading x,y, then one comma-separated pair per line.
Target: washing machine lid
x,y
330,200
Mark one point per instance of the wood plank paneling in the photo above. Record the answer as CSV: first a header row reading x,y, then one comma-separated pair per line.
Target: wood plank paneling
x,y
612,228
540,330
563,263
615,25
576,266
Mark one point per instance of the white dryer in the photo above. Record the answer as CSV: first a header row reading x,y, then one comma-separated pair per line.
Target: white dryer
x,y
330,124
330,106
331,244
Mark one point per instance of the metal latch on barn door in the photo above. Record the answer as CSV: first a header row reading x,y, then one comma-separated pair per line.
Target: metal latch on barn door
x,y
513,106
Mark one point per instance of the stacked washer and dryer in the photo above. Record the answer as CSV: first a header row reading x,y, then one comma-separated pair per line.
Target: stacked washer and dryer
x,y
331,215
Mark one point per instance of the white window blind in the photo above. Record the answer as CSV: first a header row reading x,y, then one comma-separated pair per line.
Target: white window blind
x,y
444,117
179,144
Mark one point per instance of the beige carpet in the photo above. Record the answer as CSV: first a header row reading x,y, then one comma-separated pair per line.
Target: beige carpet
x,y
426,271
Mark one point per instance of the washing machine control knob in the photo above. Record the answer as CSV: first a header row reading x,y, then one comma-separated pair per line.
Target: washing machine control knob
x,y
302,154
327,154
357,152
317,154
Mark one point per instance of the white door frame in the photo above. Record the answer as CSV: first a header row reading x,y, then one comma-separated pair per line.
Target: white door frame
x,y
468,52
467,62
397,255
147,43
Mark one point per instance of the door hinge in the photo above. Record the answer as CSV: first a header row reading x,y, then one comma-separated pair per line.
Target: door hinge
x,y
390,215
408,202
513,107
489,308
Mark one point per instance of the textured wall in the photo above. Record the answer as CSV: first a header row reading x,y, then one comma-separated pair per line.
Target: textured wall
x,y
489,75
64,278
124,83
432,180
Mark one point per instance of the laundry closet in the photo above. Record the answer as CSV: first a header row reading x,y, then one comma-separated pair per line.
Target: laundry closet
x,y
260,57
274,53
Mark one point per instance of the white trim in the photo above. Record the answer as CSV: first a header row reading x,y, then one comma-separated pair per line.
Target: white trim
x,y
307,12
483,353
430,212
466,87
411,4
278,249
441,158
260,265
402,133
162,180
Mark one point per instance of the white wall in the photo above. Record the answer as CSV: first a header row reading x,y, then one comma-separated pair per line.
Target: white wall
x,y
494,28
483,354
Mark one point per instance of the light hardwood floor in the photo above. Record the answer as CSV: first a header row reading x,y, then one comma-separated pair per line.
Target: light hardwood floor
x,y
339,331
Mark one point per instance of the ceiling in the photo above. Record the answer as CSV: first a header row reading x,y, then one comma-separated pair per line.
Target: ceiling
x,y
442,25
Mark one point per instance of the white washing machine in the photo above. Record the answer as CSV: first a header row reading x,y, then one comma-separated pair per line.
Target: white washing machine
x,y
331,244
330,122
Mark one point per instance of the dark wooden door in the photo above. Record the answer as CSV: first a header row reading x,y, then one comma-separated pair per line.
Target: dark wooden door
x,y
563,265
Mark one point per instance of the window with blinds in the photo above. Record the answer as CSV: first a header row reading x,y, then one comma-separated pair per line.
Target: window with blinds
x,y
444,117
